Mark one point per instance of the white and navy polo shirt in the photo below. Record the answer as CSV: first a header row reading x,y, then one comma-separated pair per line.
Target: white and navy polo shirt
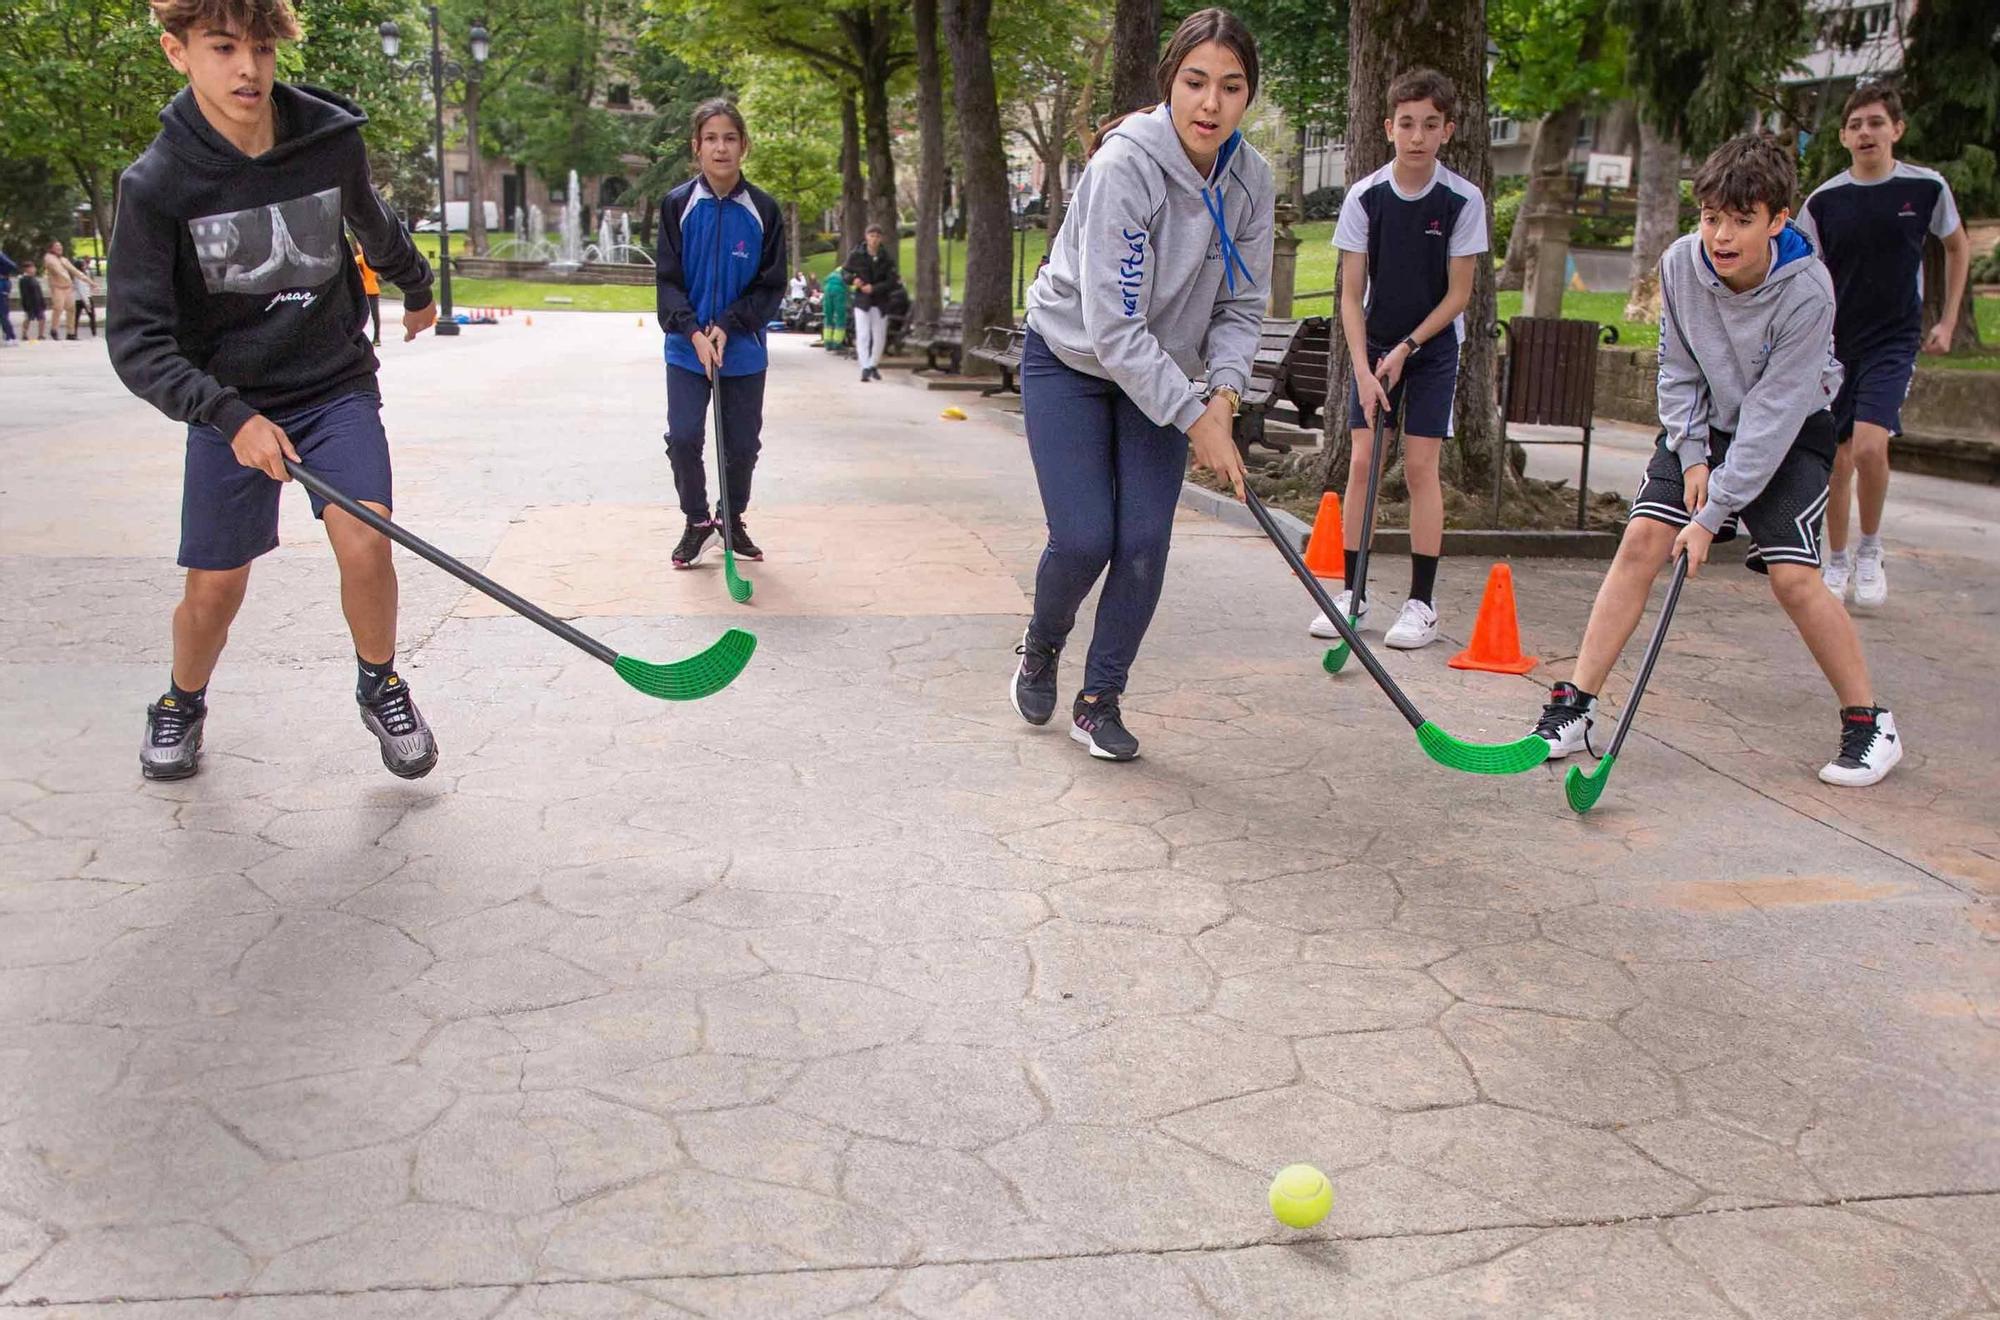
x,y
1870,234
1410,239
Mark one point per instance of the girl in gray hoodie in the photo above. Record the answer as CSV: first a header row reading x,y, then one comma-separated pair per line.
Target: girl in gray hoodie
x,y
1158,278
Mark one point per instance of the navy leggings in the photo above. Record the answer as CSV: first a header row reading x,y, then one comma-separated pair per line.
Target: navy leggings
x,y
1110,480
687,434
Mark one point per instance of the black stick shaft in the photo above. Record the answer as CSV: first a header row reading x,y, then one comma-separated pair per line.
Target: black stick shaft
x,y
1652,655
478,581
1347,633
1358,588
721,459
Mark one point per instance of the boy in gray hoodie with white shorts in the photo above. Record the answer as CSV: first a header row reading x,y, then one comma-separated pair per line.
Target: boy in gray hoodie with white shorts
x,y
1747,374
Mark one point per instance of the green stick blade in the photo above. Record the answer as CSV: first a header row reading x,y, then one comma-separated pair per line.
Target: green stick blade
x,y
1481,758
1583,789
700,675
1335,658
740,587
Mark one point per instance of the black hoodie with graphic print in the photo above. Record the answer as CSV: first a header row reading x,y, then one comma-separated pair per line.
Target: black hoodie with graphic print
x,y
231,291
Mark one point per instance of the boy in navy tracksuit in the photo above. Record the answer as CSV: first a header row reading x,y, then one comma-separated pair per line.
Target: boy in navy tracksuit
x,y
721,278
1869,223
237,312
1410,235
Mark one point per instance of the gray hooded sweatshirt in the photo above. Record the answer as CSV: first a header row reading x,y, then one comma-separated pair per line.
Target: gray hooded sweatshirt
x,y
1160,275
1756,364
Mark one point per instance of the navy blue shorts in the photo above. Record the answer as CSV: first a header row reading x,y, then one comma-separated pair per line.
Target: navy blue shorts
x,y
1424,392
1877,382
229,513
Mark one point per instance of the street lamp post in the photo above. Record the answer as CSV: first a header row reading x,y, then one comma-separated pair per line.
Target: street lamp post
x,y
441,70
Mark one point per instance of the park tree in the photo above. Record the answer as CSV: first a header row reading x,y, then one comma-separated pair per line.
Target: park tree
x,y
1951,93
795,149
1058,52
81,86
975,95
1386,37
932,150
1701,70
1135,51
41,204
545,107
1302,48
673,88
1556,58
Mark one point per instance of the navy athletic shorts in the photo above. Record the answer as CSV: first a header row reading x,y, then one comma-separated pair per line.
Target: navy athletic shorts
x,y
1783,521
229,513
1424,391
1877,382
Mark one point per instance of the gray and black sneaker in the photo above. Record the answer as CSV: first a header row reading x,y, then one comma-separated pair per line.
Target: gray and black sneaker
x,y
1033,687
172,749
1567,720
408,749
740,543
692,542
1099,726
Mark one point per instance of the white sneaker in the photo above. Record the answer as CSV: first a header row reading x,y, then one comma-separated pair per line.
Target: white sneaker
x,y
1835,573
1869,748
1871,584
1416,626
1566,722
1322,627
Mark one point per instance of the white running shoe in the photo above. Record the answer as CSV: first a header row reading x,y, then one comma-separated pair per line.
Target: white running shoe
x,y
1416,626
1869,748
1835,573
1322,627
1871,584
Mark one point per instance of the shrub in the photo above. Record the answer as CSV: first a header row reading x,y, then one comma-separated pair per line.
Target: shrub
x,y
1324,203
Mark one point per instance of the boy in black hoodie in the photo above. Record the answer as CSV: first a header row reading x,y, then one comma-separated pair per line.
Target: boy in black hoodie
x,y
237,311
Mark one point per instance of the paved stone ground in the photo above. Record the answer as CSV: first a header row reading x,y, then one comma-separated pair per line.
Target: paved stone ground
x,y
843,993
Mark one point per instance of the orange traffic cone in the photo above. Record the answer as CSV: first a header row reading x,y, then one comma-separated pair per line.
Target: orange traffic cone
x,y
527,320
1496,637
1323,547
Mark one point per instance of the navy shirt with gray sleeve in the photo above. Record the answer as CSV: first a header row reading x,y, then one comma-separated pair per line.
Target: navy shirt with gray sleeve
x,y
1871,235
1410,240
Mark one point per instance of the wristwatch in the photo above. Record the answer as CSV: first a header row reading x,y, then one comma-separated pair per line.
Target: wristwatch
x,y
1235,399
1411,344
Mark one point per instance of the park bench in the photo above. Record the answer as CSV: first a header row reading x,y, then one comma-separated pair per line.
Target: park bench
x,y
1306,369
1548,377
944,336
1277,341
1002,345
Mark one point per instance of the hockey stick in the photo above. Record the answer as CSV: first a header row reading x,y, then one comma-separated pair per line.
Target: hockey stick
x,y
1583,789
740,587
700,675
1336,656
1474,758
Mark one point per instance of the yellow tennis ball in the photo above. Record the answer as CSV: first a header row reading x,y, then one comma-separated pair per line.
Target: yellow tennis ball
x,y
1300,1196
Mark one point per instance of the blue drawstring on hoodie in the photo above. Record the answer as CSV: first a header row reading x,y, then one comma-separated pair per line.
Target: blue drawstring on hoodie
x,y
1232,259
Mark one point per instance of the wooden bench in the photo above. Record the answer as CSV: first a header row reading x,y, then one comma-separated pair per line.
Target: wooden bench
x,y
1002,346
945,335
1307,367
1549,378
1277,341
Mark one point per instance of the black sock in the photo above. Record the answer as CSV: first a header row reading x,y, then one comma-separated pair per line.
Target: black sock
x,y
372,677
196,701
1423,577
1349,559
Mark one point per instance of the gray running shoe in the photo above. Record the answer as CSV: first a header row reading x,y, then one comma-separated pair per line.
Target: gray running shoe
x,y
408,749
172,749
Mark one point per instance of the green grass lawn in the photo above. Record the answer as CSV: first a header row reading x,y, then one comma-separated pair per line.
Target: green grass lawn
x,y
534,296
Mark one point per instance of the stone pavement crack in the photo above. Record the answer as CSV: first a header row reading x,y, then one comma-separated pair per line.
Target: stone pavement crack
x,y
904,1265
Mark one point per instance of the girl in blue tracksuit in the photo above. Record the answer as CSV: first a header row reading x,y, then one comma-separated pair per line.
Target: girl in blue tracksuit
x,y
721,276
1157,280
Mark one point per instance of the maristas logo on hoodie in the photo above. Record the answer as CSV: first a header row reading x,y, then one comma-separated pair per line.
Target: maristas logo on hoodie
x,y
1132,270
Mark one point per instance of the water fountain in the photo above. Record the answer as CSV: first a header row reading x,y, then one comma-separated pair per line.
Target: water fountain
x,y
566,253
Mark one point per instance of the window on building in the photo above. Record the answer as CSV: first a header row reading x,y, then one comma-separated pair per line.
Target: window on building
x,y
619,97
461,185
1501,132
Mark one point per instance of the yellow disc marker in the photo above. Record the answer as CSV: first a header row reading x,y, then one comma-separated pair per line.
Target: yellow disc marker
x,y
953,414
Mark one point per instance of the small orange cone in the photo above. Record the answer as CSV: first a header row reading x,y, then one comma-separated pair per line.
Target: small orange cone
x,y
1323,548
1496,637
527,320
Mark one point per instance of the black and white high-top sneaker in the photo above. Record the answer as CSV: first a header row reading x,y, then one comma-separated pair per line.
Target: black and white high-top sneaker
x,y
1567,720
408,748
1869,747
1099,726
692,542
172,749
1033,687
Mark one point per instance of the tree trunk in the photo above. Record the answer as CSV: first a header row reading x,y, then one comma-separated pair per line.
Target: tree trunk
x,y
795,258
1548,174
1135,42
1297,183
1659,220
1052,195
988,255
103,203
853,194
1965,335
1618,128
475,174
1385,36
930,162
